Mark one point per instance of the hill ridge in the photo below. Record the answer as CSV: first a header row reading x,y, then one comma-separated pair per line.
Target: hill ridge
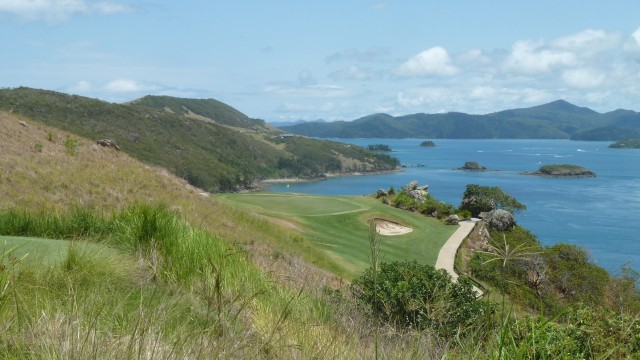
x,y
558,119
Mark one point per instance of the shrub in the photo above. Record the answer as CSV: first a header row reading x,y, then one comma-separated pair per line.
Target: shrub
x,y
409,294
404,201
71,145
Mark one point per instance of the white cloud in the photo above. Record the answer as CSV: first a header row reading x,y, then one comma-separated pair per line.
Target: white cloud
x,y
632,46
583,78
587,42
58,10
431,62
82,86
530,58
128,86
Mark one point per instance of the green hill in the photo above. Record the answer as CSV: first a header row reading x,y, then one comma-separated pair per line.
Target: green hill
x,y
206,142
555,120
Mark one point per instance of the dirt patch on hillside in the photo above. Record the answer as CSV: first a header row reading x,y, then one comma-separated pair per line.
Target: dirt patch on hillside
x,y
390,228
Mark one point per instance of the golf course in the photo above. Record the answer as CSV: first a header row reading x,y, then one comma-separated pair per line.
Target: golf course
x,y
338,225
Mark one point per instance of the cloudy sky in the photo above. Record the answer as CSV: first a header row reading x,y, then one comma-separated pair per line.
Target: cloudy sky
x,y
283,60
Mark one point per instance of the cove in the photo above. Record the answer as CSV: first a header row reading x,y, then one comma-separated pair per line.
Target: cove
x,y
599,214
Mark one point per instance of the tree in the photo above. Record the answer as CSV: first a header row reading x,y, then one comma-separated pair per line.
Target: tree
x,y
415,295
479,199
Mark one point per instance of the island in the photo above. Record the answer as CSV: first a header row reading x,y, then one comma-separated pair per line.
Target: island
x,y
472,166
626,144
427,143
563,171
379,147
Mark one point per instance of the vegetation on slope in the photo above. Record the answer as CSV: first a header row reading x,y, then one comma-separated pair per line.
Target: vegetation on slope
x,y
197,278
217,149
555,120
626,144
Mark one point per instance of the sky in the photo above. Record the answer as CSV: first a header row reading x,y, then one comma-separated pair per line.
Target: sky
x,y
288,60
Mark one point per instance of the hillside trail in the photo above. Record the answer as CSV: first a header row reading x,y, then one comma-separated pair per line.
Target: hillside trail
x,y
447,254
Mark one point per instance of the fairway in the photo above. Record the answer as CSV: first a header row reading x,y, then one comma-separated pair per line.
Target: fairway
x,y
338,226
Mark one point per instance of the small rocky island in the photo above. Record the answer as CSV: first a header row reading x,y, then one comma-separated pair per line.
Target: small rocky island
x,y
472,166
626,144
379,147
427,143
563,171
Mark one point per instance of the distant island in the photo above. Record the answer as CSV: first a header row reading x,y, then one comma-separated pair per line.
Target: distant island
x,y
555,120
563,171
472,166
379,147
626,144
427,143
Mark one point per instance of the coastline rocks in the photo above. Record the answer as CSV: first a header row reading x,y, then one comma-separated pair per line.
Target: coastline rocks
x,y
381,193
417,193
452,220
498,219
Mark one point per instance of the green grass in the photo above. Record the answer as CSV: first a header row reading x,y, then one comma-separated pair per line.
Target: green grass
x,y
47,251
337,225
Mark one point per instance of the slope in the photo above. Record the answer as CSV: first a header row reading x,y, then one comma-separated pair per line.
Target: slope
x,y
164,131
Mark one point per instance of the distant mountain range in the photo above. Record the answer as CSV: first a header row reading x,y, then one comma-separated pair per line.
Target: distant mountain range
x,y
555,120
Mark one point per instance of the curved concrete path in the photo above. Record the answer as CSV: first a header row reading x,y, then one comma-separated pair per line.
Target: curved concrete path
x,y
447,254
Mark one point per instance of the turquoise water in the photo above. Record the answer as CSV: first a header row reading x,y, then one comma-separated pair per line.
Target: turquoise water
x,y
599,214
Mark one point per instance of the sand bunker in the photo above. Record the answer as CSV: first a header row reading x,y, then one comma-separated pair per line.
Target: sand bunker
x,y
389,228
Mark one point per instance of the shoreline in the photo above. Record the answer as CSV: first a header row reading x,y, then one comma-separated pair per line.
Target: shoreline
x,y
266,182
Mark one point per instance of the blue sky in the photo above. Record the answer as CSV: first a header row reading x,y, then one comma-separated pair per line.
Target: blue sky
x,y
284,60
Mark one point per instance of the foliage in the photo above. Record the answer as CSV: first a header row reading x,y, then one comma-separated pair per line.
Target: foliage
x,y
408,294
477,199
473,166
71,145
404,201
215,156
564,170
379,147
626,144
427,143
38,146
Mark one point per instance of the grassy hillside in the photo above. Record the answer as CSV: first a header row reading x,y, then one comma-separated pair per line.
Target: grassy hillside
x,y
211,145
339,225
124,260
555,120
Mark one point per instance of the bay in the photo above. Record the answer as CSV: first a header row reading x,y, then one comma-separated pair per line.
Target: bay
x,y
599,214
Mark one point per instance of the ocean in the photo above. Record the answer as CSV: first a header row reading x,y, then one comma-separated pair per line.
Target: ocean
x,y
599,214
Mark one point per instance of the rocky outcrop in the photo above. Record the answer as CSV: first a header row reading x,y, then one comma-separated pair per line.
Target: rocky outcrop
x,y
477,205
108,143
452,220
417,193
498,219
381,193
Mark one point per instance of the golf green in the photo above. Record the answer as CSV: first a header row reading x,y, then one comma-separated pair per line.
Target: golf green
x,y
338,225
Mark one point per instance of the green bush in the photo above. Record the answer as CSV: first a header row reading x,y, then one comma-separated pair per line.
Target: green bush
x,y
409,294
403,200
71,145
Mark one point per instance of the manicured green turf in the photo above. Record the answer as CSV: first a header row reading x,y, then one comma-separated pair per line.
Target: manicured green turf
x,y
338,226
44,251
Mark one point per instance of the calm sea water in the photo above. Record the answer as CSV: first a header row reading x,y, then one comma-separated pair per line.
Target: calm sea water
x,y
600,214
